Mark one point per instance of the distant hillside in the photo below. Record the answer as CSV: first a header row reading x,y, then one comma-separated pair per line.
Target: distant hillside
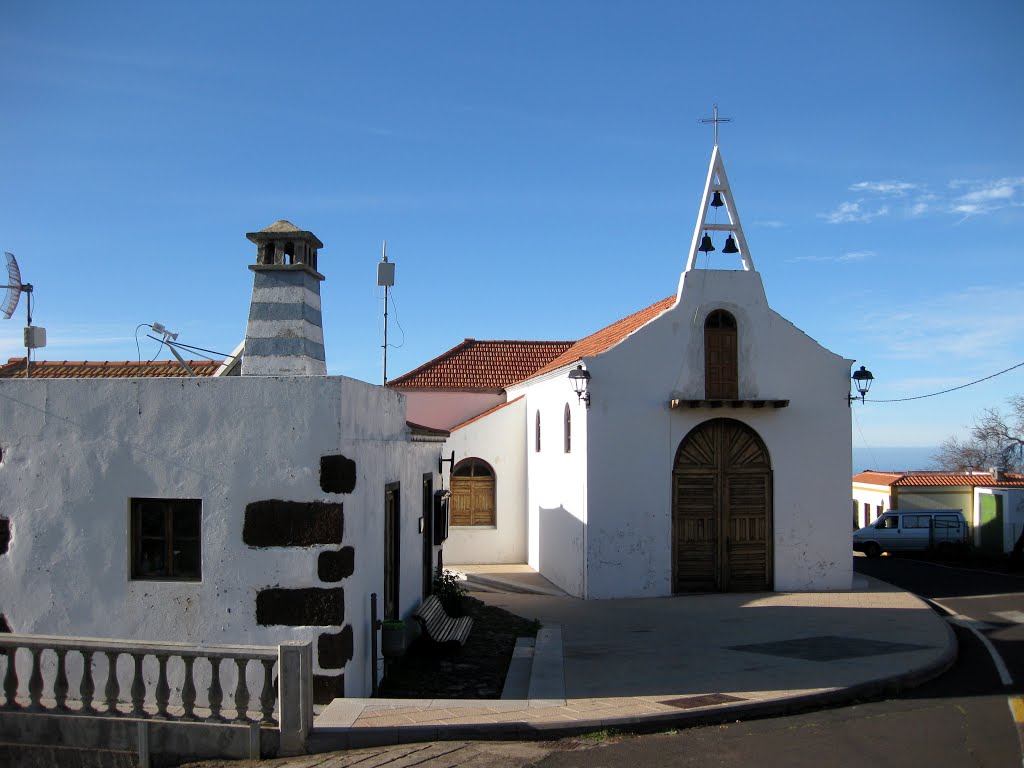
x,y
893,458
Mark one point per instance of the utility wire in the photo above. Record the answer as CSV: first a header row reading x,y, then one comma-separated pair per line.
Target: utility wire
x,y
856,421
138,349
952,389
394,306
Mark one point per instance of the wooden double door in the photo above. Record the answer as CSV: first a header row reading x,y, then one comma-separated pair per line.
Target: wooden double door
x,y
722,510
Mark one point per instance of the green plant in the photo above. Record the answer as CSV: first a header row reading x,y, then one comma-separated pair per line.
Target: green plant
x,y
449,590
393,624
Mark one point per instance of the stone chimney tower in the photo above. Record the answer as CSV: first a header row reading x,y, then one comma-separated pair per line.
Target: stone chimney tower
x,y
285,334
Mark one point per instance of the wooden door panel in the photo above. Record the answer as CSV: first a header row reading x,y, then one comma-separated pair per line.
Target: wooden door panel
x,y
695,533
746,509
722,510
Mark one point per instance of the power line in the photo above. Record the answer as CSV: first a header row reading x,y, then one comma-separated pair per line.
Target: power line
x,y
952,389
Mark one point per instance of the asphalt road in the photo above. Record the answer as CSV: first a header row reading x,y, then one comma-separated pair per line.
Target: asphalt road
x,y
991,603
961,719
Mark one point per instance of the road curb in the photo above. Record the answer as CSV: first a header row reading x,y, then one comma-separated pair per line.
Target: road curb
x,y
352,738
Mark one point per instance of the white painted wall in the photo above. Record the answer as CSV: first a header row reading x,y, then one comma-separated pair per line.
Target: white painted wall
x,y
500,440
556,505
874,496
632,437
76,450
447,409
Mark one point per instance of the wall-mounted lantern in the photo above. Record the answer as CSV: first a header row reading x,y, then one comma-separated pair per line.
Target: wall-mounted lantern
x,y
580,380
862,381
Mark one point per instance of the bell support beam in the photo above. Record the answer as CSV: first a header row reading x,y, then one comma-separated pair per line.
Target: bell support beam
x,y
718,181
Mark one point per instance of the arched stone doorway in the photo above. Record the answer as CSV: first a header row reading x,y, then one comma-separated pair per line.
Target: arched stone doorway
x,y
722,510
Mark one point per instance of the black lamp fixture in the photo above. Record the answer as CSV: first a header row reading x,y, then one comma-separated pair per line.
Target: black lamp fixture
x,y
862,381
580,380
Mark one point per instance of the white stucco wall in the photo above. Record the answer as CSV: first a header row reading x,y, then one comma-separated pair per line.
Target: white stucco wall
x,y
874,496
500,440
446,409
632,437
76,451
556,505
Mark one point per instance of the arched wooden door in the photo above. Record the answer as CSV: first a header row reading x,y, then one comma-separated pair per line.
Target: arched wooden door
x,y
722,510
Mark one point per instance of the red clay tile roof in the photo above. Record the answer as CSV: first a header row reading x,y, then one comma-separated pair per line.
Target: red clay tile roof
x,y
494,365
877,478
926,479
14,368
607,337
481,365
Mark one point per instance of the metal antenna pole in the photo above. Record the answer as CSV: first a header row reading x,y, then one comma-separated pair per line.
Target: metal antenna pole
x,y
27,288
384,254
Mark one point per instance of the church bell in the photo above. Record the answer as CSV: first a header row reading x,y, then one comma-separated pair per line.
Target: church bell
x,y
730,245
716,201
705,244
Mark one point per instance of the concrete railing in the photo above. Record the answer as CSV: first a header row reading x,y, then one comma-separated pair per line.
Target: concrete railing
x,y
164,683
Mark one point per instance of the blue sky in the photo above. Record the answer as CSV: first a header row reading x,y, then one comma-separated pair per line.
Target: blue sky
x,y
536,169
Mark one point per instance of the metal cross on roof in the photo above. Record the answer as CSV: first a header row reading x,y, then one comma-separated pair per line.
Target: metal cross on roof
x,y
716,120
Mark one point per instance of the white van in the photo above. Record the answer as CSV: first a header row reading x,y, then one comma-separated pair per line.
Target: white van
x,y
913,530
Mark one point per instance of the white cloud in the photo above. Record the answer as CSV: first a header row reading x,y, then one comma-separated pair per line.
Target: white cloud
x,y
771,224
952,327
897,188
962,197
983,197
848,212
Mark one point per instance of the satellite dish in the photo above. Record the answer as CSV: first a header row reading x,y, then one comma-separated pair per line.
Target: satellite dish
x,y
34,337
14,288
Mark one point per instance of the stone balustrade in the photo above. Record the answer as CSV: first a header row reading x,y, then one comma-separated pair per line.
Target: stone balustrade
x,y
256,686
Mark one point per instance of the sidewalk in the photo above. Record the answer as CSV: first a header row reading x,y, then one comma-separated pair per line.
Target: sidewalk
x,y
655,663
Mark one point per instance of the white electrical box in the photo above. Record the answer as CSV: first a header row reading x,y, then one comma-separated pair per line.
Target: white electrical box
x,y
35,337
386,273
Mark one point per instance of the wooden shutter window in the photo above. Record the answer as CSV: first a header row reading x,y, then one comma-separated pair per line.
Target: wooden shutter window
x,y
473,494
721,367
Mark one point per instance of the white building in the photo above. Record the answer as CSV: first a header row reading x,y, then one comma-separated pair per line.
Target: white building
x,y
992,502
249,509
710,452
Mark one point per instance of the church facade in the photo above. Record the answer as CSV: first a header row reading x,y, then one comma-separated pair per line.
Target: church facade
x,y
707,450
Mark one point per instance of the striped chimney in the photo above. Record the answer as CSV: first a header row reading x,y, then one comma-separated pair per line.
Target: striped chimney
x,y
284,336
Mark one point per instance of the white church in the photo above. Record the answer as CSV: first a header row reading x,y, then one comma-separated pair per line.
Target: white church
x,y
701,444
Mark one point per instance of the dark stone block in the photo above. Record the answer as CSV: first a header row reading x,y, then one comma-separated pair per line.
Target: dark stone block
x,y
5,535
327,688
335,566
333,650
275,523
309,607
337,474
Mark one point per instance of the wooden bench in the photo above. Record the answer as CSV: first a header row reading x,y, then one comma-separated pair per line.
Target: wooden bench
x,y
439,626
